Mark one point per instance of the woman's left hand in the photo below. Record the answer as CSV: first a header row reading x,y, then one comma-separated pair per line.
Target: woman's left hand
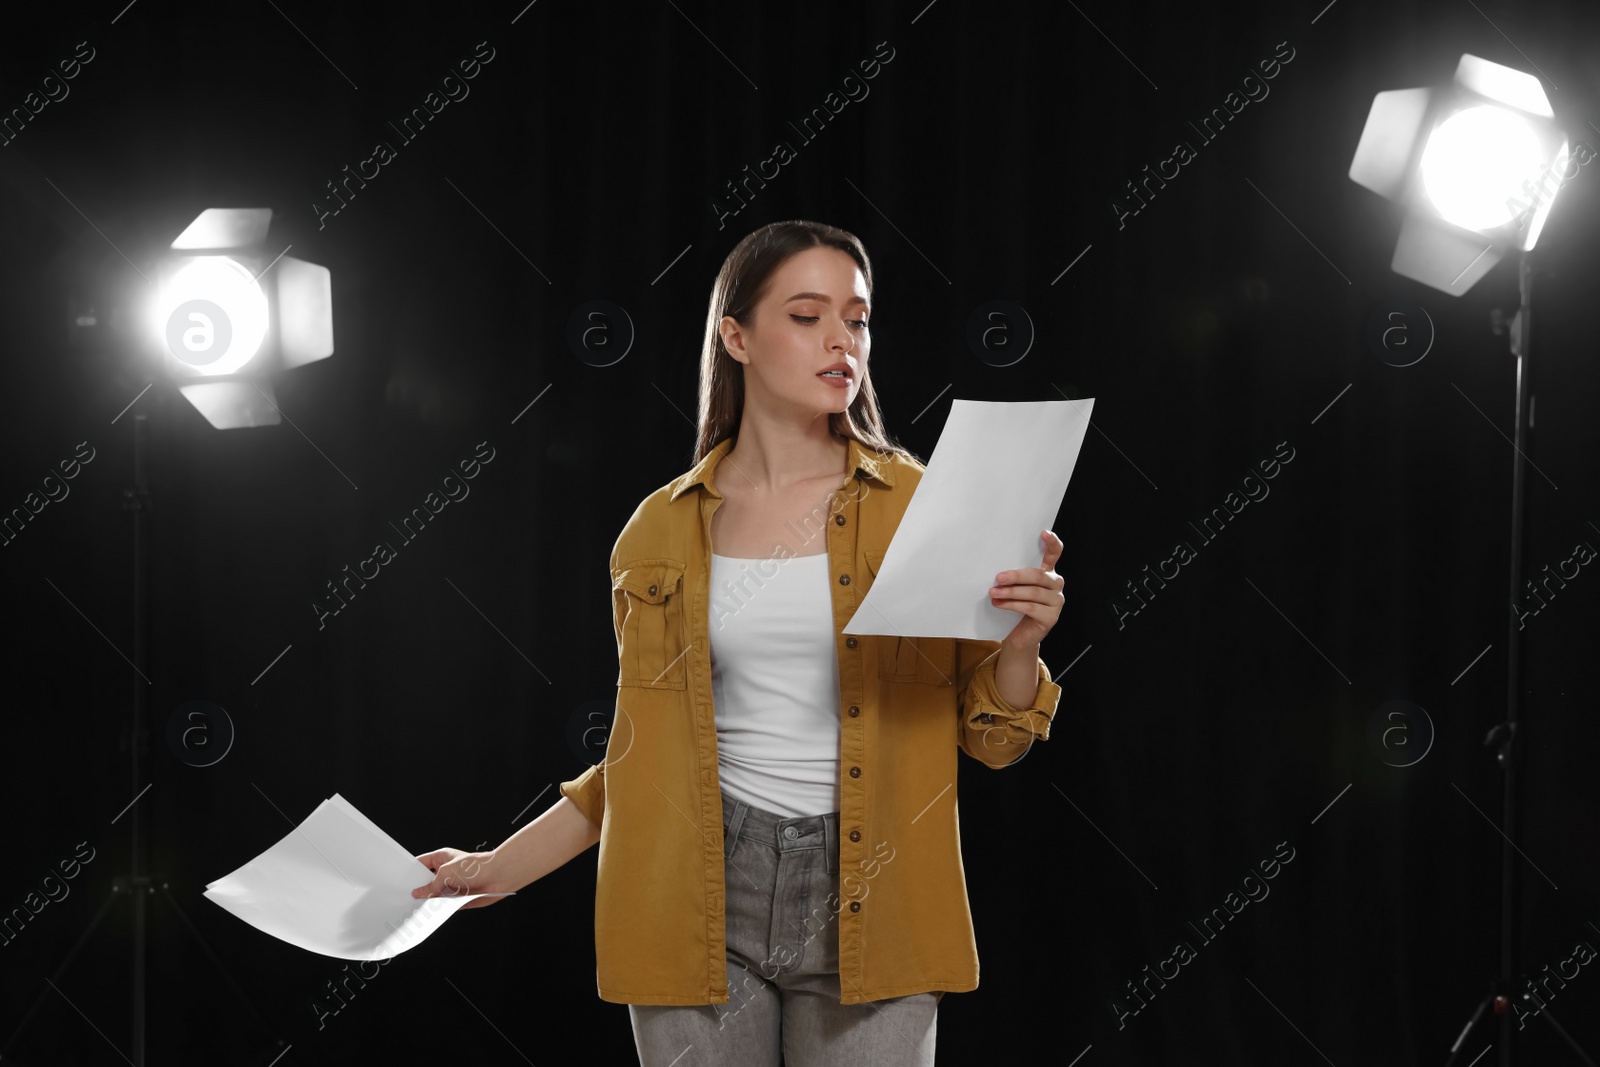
x,y
1033,591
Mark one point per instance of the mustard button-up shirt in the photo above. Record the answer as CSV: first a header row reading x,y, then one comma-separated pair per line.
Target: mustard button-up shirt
x,y
906,705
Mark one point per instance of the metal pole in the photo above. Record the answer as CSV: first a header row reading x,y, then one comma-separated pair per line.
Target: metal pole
x,y
1521,334
137,879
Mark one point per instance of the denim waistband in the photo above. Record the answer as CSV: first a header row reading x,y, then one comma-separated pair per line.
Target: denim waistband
x,y
781,833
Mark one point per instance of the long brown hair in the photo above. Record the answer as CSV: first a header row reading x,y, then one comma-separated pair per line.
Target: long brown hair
x,y
740,285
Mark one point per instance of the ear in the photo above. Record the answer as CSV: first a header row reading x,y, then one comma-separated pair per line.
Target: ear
x,y
732,338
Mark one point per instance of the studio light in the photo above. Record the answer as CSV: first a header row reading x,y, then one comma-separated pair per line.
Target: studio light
x,y
220,314
229,315
1476,164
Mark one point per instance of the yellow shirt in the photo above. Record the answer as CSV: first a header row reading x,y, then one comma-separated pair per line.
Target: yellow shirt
x,y
906,705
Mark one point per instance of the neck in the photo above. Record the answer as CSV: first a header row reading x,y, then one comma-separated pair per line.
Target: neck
x,y
771,456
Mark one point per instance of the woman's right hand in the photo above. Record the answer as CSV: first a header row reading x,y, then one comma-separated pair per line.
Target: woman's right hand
x,y
457,873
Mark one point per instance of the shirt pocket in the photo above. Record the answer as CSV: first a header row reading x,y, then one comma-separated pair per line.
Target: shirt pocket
x,y
648,598
929,660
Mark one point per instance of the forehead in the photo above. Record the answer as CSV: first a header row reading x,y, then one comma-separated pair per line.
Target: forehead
x,y
821,271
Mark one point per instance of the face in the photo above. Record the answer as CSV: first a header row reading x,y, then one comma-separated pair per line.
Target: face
x,y
813,315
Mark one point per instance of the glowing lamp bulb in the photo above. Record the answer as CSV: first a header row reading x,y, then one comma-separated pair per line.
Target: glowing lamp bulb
x,y
1475,165
212,315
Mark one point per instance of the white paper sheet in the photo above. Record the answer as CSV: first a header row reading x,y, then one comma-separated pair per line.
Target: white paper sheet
x,y
995,480
339,886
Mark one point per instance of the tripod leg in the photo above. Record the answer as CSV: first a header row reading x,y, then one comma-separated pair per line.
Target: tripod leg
x,y
1582,1055
1472,1023
212,956
117,893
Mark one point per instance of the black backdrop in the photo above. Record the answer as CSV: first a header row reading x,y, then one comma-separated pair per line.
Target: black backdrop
x,y
1227,719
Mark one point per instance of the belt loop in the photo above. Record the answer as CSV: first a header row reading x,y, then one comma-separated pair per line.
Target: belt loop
x,y
731,831
830,835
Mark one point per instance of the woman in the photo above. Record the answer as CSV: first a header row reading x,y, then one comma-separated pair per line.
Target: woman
x,y
780,871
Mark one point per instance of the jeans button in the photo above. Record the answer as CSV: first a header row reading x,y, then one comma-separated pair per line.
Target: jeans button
x,y
790,832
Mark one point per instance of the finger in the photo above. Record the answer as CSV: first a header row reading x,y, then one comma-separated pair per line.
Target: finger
x,y
447,882
1022,592
1044,615
1023,607
1052,550
1025,576
1036,577
434,888
1029,608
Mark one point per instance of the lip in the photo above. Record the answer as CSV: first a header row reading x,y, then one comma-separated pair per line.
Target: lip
x,y
849,375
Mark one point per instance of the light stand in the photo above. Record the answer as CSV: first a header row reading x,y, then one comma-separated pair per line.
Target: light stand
x,y
215,316
1472,163
135,886
1503,737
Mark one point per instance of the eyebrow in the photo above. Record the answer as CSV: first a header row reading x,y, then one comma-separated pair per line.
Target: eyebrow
x,y
823,297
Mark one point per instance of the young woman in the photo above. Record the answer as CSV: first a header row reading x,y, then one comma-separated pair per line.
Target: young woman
x,y
780,874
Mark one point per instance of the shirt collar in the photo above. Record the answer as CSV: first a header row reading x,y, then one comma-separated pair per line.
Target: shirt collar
x,y
868,462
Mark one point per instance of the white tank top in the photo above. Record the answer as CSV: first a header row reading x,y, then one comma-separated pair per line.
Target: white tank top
x,y
775,682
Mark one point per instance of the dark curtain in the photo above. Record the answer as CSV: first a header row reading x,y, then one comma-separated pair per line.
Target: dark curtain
x,y
1218,723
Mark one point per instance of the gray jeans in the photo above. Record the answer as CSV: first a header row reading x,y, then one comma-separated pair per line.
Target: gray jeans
x,y
783,966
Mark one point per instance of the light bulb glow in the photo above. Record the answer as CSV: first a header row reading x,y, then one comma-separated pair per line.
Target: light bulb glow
x,y
211,315
1476,163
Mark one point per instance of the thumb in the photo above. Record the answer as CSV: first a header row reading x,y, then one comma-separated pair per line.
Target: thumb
x,y
442,885
431,861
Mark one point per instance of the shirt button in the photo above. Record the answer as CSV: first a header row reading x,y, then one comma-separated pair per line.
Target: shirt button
x,y
854,711
652,590
855,835
855,905
839,519
790,832
850,642
855,772
844,579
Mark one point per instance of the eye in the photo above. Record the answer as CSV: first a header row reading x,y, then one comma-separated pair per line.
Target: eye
x,y
860,324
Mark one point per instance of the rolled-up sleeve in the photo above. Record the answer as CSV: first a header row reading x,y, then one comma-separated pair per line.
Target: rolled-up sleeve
x,y
588,792
989,729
